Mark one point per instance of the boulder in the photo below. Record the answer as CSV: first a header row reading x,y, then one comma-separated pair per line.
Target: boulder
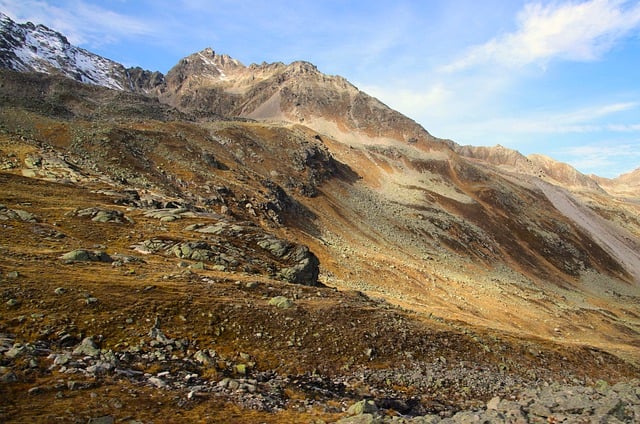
x,y
82,255
87,348
281,302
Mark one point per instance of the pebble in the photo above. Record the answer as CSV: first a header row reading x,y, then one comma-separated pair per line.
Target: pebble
x,y
157,382
13,302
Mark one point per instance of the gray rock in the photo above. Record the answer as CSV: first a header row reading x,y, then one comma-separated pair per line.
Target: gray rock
x,y
493,403
203,357
12,303
158,382
82,255
100,367
363,407
35,390
278,248
87,347
62,359
281,302
306,268
25,216
18,350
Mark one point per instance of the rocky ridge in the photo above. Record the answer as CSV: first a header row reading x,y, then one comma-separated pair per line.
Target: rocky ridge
x,y
36,48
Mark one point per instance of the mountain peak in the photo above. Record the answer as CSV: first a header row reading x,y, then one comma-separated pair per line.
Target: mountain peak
x,y
37,48
302,67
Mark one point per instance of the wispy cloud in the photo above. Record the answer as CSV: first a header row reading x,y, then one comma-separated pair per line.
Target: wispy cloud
x,y
579,31
603,159
83,23
580,121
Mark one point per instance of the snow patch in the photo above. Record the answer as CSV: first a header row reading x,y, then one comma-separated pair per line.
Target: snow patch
x,y
41,49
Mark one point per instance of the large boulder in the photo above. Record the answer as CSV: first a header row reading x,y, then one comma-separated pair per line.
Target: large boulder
x,y
82,255
303,266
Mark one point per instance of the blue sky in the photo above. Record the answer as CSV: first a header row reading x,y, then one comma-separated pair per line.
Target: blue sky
x,y
560,78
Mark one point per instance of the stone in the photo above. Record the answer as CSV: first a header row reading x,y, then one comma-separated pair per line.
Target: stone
x,y
25,216
87,347
17,351
198,266
82,255
100,367
158,382
13,302
60,290
281,302
278,248
540,410
363,407
306,268
203,357
601,387
35,390
493,403
13,274
62,359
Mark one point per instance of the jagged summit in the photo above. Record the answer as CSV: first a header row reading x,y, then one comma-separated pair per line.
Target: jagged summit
x,y
36,48
206,82
207,63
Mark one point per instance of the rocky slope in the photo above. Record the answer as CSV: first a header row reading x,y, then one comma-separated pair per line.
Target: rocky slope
x,y
627,185
283,243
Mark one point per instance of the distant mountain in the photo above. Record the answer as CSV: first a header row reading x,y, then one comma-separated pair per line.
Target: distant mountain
x,y
36,48
297,93
626,184
534,165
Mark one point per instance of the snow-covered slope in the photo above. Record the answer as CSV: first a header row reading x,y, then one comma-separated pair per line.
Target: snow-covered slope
x,y
31,48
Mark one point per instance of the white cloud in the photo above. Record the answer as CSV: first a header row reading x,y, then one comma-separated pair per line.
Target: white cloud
x,y
580,121
411,101
603,159
624,127
579,31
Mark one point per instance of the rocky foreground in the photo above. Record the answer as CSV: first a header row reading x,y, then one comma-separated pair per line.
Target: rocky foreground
x,y
191,376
